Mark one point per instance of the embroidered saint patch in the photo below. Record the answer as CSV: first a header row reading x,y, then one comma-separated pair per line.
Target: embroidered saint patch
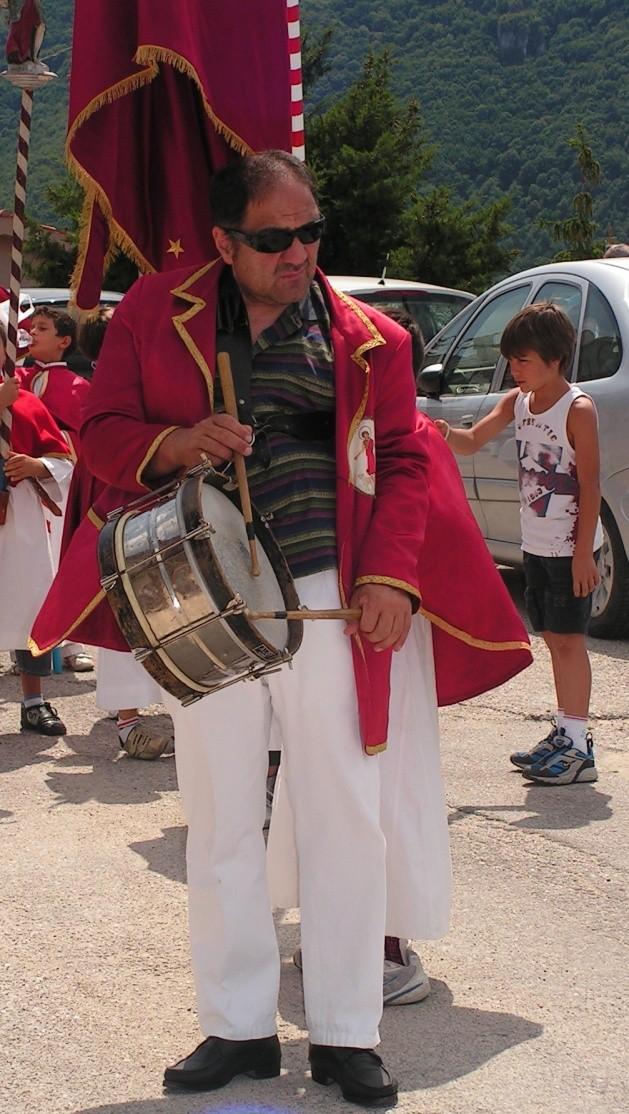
x,y
362,458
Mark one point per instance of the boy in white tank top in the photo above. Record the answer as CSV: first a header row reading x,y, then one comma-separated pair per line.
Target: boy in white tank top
x,y
558,466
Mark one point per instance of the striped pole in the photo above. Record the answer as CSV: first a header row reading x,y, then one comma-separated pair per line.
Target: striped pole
x,y
17,242
296,86
26,80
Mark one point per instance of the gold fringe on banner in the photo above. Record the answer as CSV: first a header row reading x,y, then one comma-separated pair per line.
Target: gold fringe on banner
x,y
150,56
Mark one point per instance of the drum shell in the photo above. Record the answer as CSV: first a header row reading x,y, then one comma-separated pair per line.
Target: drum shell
x,y
167,538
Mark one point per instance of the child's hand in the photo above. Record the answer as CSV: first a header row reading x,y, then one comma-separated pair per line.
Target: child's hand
x,y
18,467
443,427
9,390
585,575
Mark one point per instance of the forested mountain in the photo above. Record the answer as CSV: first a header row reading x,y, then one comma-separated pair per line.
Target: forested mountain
x,y
501,85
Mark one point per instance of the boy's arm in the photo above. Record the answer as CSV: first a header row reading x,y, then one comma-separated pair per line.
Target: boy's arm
x,y
582,429
464,442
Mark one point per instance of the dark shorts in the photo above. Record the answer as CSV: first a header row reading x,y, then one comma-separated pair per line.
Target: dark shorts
x,y
550,601
34,667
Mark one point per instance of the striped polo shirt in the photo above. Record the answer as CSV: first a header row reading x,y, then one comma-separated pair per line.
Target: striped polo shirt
x,y
293,372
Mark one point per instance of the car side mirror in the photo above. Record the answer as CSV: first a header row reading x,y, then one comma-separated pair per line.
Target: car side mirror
x,y
430,380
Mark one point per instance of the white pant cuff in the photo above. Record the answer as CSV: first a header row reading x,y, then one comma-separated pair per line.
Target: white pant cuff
x,y
342,1038
232,1033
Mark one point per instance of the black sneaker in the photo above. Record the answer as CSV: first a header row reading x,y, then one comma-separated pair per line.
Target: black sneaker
x,y
42,718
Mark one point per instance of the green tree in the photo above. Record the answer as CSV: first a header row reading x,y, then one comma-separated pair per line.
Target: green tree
x,y
578,232
315,60
367,151
454,245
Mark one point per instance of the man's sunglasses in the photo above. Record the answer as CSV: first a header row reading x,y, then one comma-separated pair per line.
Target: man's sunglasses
x,y
272,240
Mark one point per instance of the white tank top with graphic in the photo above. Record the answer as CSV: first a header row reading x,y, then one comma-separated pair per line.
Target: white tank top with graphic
x,y
549,488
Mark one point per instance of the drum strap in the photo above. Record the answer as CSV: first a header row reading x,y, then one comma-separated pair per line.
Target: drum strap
x,y
234,338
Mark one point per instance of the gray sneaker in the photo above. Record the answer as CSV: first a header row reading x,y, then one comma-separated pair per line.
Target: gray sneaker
x,y
566,766
402,983
547,746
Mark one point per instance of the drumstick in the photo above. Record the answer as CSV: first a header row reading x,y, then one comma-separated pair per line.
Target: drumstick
x,y
331,613
231,407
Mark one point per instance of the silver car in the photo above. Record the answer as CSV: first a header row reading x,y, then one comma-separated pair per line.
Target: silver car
x,y
431,306
464,375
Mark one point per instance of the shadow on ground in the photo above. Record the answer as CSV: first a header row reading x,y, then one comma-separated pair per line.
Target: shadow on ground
x,y
551,808
165,855
442,1042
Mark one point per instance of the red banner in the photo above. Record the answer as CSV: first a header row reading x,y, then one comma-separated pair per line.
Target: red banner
x,y
161,95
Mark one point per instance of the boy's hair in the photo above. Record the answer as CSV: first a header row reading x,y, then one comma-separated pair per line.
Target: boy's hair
x,y
543,328
92,333
3,334
65,325
408,322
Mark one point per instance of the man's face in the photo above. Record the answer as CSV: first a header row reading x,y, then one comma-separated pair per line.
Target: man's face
x,y
45,344
282,277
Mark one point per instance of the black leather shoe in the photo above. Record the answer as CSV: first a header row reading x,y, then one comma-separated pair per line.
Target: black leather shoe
x,y
216,1060
360,1073
42,718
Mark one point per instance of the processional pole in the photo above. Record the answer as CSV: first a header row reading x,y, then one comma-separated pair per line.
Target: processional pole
x,y
27,73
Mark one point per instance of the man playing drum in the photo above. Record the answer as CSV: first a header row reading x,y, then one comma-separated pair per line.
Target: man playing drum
x,y
326,374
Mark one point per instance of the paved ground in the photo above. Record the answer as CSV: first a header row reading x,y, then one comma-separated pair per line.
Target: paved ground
x,y
530,988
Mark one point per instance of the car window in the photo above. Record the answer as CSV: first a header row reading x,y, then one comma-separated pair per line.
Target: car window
x,y
431,311
440,344
564,294
600,350
470,367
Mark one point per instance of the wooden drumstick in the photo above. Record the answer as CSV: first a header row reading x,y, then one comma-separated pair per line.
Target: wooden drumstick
x,y
231,407
346,613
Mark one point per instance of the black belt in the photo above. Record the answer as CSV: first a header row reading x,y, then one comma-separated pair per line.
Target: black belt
x,y
312,425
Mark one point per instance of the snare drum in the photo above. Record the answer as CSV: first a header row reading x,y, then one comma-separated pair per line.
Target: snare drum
x,y
176,569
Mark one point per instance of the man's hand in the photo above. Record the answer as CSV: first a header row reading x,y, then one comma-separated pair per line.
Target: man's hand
x,y
217,438
18,466
9,390
385,615
585,574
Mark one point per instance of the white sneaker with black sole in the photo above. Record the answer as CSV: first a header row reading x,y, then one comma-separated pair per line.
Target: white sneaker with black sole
x,y
404,982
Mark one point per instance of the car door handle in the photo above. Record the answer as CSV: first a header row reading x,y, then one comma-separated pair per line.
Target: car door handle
x,y
467,421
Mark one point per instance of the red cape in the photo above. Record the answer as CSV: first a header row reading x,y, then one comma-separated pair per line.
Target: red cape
x,y
63,392
34,431
381,540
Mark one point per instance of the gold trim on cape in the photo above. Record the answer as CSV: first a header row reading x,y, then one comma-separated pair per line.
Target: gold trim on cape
x,y
391,582
180,321
357,356
150,452
37,651
463,636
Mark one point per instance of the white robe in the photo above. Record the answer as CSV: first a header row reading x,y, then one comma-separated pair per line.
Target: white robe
x,y
27,564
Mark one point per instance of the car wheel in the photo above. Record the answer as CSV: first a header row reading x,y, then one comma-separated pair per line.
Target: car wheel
x,y
610,601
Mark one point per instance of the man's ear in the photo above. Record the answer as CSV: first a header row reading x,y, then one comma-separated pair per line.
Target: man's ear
x,y
224,244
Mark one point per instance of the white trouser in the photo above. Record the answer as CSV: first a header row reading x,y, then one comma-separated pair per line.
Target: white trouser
x,y
121,682
222,746
413,812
